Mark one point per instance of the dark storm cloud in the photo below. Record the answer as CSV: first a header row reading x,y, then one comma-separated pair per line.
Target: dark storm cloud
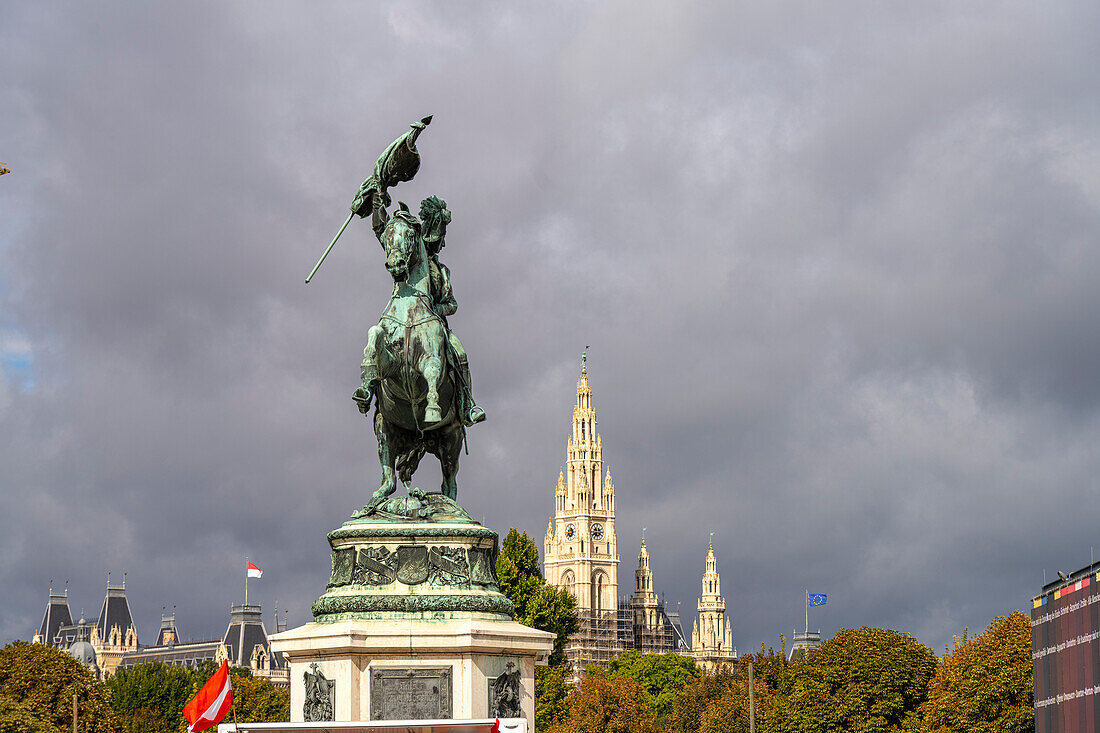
x,y
837,265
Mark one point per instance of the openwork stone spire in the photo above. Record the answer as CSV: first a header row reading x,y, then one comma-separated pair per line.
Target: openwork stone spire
x,y
712,637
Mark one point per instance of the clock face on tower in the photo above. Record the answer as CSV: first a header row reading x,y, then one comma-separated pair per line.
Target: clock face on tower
x,y
597,531
570,532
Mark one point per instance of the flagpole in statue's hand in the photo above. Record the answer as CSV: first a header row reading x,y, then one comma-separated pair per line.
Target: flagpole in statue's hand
x,y
331,245
399,162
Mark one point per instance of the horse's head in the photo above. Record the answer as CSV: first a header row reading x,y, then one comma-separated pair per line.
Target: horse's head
x,y
401,240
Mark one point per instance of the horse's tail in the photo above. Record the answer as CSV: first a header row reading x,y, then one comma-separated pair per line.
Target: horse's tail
x,y
408,462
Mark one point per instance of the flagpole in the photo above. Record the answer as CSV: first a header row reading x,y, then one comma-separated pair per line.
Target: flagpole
x,y
246,582
807,609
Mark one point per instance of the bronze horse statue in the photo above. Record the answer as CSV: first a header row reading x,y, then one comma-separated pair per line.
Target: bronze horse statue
x,y
414,369
407,367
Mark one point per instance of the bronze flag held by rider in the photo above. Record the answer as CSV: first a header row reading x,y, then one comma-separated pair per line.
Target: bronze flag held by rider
x,y
414,368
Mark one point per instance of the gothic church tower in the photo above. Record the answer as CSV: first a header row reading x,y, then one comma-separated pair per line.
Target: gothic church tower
x,y
580,551
645,606
711,636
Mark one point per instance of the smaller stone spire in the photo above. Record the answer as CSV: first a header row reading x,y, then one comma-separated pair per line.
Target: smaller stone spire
x,y
644,594
712,637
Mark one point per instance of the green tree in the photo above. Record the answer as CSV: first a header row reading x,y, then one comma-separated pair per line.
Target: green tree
x,y
661,675
550,694
19,717
554,609
256,700
149,691
599,704
145,720
718,702
770,665
518,570
729,712
695,697
861,681
537,605
37,684
986,685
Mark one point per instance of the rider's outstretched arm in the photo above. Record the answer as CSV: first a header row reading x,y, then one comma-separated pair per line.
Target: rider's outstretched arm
x,y
372,201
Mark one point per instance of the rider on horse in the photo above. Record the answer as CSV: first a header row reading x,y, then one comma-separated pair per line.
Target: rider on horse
x,y
432,225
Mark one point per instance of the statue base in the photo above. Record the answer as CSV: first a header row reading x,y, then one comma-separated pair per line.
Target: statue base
x,y
412,625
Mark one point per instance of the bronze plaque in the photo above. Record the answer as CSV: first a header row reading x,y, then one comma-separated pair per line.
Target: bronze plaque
x,y
410,693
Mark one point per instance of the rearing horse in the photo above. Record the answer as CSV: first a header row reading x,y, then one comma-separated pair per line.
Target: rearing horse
x,y
405,366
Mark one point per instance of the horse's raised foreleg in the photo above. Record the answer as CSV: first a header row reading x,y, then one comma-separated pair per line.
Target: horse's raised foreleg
x,y
370,371
432,369
432,342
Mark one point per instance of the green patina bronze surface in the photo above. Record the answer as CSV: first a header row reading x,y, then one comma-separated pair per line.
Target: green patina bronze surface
x,y
422,553
378,566
414,371
419,506
354,530
405,566
338,608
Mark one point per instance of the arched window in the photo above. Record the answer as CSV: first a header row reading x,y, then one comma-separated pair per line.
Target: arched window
x,y
599,583
568,582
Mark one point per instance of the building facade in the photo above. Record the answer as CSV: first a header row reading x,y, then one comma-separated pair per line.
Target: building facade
x,y
580,554
111,635
711,635
111,640
1065,653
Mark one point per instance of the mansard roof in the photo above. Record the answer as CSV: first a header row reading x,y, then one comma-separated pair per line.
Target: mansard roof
x,y
55,616
246,631
168,633
115,612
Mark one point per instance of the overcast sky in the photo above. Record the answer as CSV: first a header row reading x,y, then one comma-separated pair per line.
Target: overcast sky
x,y
837,263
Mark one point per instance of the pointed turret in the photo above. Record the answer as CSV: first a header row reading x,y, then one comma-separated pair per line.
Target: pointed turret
x,y
57,614
114,633
115,613
246,631
643,576
712,637
168,634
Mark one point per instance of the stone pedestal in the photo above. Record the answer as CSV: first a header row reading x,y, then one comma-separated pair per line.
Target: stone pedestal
x,y
375,665
412,625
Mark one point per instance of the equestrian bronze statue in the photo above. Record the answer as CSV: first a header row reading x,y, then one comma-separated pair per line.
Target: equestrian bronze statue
x,y
414,370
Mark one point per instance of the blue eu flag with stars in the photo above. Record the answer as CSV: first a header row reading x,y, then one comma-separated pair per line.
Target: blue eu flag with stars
x,y
817,599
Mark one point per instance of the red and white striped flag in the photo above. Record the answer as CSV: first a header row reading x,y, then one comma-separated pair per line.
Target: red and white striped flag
x,y
254,571
207,708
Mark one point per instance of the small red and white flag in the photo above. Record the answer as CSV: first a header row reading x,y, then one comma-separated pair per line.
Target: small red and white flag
x,y
254,571
207,708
